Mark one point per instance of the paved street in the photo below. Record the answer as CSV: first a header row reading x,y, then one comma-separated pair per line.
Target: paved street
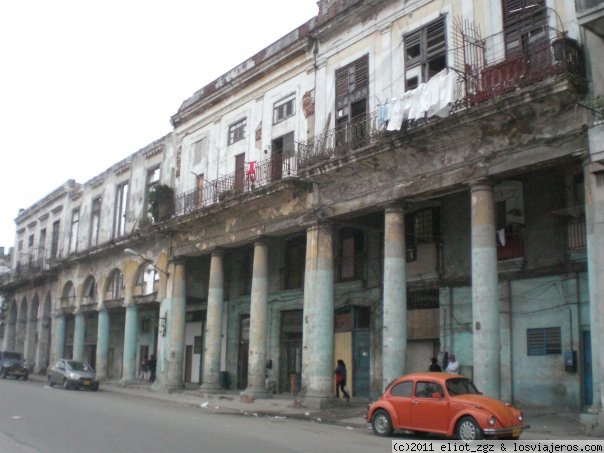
x,y
36,418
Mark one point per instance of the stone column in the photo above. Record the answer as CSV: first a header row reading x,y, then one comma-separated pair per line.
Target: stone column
x,y
317,355
41,345
102,344
485,296
258,323
29,353
213,334
394,333
170,362
59,337
79,335
594,223
130,339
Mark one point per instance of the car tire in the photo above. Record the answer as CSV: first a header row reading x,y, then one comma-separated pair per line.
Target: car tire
x,y
468,429
65,384
49,381
381,423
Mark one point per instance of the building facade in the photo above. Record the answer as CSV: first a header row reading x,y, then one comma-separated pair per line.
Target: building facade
x,y
388,182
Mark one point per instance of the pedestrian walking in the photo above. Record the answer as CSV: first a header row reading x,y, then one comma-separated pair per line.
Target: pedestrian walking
x,y
340,373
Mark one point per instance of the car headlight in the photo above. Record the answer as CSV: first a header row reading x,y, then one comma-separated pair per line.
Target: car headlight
x,y
491,420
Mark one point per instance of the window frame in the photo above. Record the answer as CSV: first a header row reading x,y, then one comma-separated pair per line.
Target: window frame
x,y
550,337
73,230
237,131
281,111
431,43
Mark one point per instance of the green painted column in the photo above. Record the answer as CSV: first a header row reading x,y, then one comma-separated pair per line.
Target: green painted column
x,y
258,323
213,334
130,338
172,339
59,337
485,293
394,331
102,344
594,224
317,354
79,334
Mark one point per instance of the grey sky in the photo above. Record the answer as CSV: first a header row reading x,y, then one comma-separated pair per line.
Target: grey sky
x,y
82,87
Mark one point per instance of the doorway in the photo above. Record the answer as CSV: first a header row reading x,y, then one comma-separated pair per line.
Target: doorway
x,y
244,349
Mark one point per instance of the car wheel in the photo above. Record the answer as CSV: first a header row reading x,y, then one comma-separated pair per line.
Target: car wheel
x,y
65,384
381,423
468,429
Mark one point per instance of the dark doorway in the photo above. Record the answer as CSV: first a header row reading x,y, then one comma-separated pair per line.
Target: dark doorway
x,y
244,349
291,350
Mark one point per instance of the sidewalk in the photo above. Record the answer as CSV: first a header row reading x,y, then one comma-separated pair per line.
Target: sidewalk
x,y
545,422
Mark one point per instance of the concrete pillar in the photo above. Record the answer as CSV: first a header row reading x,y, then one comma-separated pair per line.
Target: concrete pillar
x,y
79,335
41,358
130,339
594,220
394,332
29,352
102,344
317,355
485,297
256,377
172,339
59,337
213,334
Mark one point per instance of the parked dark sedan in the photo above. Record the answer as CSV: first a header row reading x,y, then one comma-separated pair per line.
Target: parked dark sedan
x,y
12,364
72,374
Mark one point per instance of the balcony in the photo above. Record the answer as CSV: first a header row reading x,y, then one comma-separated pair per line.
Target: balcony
x,y
256,175
591,15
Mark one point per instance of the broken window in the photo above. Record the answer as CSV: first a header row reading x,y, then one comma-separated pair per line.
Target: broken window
x,y
95,221
352,93
295,261
121,202
421,227
425,53
524,24
73,234
237,131
351,254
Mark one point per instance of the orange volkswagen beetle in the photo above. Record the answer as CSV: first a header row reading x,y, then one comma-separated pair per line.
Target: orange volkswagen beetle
x,y
444,404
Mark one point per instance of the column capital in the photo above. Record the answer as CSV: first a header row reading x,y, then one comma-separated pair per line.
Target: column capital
x,y
481,183
394,207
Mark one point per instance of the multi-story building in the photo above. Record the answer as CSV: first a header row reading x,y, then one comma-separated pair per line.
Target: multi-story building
x,y
390,181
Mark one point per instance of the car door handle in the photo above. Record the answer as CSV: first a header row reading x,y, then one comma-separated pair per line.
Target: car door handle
x,y
414,402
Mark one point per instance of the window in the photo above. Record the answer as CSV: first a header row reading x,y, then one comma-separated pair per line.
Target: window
x,y
402,389
121,201
237,131
421,227
148,279
54,244
283,109
425,53
42,246
352,90
295,258
197,151
73,233
427,389
95,221
115,287
152,181
30,249
422,299
351,253
542,341
524,23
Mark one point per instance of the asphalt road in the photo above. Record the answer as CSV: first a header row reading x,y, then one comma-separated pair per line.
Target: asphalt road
x,y
36,418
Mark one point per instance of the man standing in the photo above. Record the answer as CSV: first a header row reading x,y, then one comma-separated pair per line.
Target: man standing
x,y
152,363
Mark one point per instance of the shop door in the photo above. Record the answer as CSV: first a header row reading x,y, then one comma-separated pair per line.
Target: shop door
x,y
361,363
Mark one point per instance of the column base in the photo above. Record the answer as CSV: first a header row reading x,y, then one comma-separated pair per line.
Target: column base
x,y
255,394
319,402
166,388
592,422
211,388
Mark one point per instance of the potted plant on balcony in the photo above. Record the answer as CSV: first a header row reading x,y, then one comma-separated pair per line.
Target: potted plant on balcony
x,y
161,202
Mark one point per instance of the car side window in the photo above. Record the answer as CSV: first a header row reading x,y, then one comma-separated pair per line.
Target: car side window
x,y
426,389
402,389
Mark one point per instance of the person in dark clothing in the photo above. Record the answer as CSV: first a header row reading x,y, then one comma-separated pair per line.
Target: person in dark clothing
x,y
340,373
152,363
434,366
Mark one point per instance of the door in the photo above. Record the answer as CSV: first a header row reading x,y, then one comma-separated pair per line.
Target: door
x,y
239,172
428,412
244,349
361,363
188,362
402,394
587,369
290,357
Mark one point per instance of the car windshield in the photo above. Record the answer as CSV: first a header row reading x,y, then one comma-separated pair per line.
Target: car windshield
x,y
461,386
12,355
78,366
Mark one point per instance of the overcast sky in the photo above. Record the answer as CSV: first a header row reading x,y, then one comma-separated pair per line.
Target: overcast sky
x,y
84,85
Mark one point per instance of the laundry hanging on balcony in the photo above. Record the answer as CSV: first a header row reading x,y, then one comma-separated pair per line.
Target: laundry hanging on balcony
x,y
432,98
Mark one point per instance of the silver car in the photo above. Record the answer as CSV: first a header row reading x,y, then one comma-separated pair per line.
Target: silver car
x,y
72,374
